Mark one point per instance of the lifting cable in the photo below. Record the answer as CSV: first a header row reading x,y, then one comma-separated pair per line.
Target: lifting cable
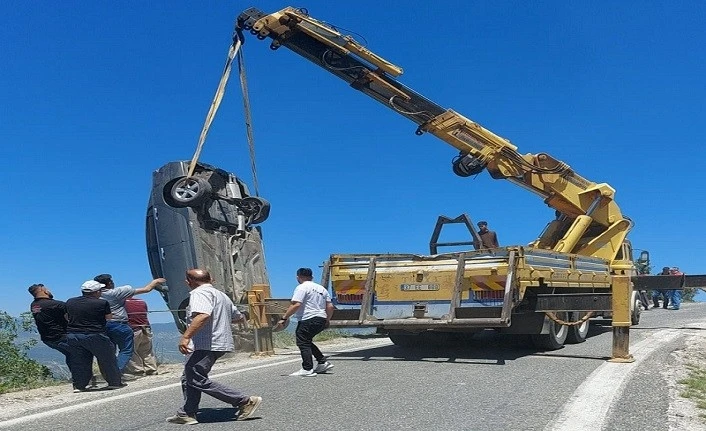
x,y
215,104
248,120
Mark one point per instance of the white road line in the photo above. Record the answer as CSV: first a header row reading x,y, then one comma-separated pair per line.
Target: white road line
x,y
111,399
588,406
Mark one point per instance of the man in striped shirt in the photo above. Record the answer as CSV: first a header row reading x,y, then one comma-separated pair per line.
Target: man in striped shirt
x,y
208,337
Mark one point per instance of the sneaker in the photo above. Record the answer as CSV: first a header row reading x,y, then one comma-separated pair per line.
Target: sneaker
x,y
128,377
182,419
323,367
77,390
248,409
304,373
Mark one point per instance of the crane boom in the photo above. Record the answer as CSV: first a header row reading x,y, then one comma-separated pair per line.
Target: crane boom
x,y
588,221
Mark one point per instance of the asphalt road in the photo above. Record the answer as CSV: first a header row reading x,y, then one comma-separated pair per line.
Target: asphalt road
x,y
491,383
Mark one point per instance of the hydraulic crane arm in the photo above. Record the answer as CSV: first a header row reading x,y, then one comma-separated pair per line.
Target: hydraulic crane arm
x,y
588,221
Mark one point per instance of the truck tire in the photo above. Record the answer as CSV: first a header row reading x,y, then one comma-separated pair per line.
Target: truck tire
x,y
635,308
556,337
577,333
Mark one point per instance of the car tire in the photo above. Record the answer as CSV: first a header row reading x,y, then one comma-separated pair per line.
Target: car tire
x,y
187,192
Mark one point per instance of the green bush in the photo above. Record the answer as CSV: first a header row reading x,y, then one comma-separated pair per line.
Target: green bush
x,y
17,371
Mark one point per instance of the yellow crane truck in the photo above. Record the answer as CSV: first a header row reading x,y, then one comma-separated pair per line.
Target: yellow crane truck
x,y
579,266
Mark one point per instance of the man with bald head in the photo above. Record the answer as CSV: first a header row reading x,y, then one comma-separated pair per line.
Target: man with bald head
x,y
208,337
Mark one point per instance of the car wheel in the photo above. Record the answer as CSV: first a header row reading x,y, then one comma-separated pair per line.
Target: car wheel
x,y
188,192
257,208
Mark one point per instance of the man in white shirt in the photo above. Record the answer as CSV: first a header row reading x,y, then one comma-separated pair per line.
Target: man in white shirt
x,y
208,337
311,305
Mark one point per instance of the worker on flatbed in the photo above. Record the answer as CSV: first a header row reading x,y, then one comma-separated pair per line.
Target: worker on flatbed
x,y
488,238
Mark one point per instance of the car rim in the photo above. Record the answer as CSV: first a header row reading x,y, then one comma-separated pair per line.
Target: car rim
x,y
187,190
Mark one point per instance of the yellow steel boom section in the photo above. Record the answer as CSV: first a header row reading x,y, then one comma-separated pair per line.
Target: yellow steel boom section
x,y
588,221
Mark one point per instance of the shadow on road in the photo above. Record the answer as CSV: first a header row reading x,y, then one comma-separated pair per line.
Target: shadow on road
x,y
215,415
484,348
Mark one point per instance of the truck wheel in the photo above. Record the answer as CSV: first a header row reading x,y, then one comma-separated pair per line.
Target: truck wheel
x,y
555,338
578,333
635,309
187,192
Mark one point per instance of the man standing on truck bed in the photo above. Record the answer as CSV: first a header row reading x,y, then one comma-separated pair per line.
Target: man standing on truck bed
x,y
488,238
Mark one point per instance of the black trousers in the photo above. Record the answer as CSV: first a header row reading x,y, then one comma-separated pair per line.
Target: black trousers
x,y
306,331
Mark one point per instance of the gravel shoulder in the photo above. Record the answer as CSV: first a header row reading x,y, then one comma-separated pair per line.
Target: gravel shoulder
x,y
683,413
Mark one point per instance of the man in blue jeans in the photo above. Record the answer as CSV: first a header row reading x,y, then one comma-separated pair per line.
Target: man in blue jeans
x,y
117,327
675,294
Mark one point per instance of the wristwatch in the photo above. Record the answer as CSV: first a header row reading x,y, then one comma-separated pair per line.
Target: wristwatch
x,y
284,319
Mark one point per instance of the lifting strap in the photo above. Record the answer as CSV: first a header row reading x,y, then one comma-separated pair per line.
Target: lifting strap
x,y
248,120
215,104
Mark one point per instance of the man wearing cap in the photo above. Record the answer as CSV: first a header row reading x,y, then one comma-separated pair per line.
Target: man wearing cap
x,y
86,335
118,329
488,238
50,318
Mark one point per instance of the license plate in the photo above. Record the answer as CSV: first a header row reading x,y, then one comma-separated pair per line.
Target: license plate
x,y
415,287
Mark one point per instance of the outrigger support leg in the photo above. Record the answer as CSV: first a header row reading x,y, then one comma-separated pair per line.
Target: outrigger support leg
x,y
621,293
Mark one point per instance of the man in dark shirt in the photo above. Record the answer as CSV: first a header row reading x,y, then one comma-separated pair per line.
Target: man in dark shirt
x,y
86,334
488,238
50,317
664,293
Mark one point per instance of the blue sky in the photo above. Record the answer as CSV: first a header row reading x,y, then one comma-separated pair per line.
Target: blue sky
x,y
97,95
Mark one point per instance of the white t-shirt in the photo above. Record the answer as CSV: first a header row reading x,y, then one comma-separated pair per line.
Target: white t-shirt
x,y
313,297
216,335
